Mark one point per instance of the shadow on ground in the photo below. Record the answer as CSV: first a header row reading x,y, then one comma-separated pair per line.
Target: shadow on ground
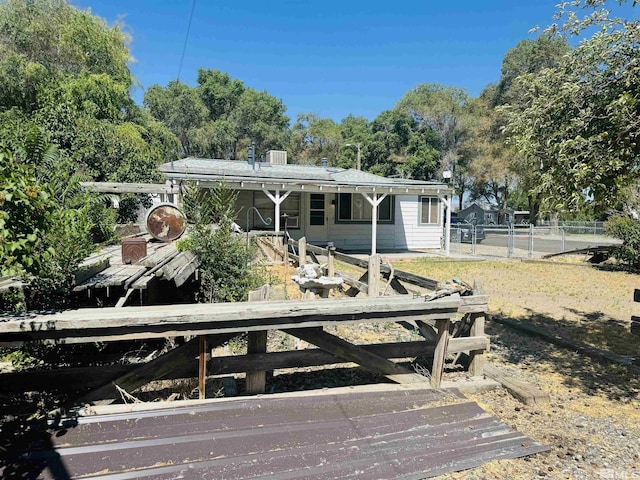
x,y
616,382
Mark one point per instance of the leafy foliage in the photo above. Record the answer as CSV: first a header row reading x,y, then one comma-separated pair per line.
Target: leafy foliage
x,y
226,273
577,126
26,210
220,117
626,229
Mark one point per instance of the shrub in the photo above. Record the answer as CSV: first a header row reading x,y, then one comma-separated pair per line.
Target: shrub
x,y
226,273
628,230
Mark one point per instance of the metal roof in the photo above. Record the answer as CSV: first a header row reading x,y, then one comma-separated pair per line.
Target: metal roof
x,y
400,434
242,175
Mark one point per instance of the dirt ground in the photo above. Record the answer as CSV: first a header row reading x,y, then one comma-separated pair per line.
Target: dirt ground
x,y
592,422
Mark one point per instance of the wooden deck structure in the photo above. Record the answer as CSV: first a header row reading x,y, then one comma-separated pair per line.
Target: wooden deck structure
x,y
214,324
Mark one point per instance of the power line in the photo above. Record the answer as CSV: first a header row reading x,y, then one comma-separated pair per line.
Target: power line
x,y
186,38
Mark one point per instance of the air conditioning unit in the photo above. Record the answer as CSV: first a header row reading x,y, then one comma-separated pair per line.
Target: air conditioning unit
x,y
276,157
293,222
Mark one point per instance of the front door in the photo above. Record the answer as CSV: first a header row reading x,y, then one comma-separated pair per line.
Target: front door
x,y
316,229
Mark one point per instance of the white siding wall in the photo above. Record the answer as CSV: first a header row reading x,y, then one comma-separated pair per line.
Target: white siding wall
x,y
409,234
405,233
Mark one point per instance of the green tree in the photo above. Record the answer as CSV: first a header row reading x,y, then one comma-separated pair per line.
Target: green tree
x,y
578,126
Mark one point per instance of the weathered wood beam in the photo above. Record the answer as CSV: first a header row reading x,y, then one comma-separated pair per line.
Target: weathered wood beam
x,y
180,359
195,319
312,357
113,187
352,353
357,286
442,341
523,391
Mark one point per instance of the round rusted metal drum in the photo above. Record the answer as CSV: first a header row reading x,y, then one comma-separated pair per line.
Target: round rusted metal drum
x,y
165,222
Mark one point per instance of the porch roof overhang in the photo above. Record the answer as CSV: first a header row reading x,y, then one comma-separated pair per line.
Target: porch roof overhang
x,y
239,175
241,183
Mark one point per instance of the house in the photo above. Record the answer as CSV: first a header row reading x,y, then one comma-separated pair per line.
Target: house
x,y
474,213
352,209
477,215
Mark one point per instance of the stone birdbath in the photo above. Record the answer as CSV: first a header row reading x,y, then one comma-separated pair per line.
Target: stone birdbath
x,y
310,280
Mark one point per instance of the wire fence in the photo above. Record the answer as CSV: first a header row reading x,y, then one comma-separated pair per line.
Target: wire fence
x,y
526,241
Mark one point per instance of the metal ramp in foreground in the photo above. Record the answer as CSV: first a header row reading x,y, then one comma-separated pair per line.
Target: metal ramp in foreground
x,y
381,431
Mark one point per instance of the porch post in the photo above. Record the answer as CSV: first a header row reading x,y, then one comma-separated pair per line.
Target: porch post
x,y
375,201
277,199
447,225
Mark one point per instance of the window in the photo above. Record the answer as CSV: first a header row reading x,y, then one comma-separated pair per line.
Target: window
x,y
316,209
429,210
290,206
354,208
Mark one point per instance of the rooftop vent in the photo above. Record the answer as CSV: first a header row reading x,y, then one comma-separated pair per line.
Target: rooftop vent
x,y
277,157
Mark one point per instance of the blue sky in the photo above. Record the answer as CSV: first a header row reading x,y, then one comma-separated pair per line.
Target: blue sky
x,y
329,57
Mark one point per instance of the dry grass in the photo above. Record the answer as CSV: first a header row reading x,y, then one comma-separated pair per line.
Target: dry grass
x,y
582,302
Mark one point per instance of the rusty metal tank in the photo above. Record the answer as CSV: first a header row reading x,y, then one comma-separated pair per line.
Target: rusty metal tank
x,y
165,222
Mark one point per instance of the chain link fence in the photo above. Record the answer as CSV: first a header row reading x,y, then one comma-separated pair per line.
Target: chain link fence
x,y
526,241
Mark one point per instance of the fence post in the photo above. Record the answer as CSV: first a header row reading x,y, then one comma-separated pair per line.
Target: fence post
x,y
510,239
531,231
563,239
474,238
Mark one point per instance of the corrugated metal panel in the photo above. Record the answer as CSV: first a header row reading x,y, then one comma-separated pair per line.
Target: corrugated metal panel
x,y
399,434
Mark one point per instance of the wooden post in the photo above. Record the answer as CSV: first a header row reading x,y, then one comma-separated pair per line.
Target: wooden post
x,y
302,251
476,366
374,275
202,368
440,352
285,246
256,381
331,264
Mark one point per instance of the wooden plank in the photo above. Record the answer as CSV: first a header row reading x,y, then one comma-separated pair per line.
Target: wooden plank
x,y
181,358
175,320
357,285
121,276
115,187
413,279
312,357
398,287
89,270
353,353
184,273
159,255
474,304
440,352
171,268
122,300
523,391
427,331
